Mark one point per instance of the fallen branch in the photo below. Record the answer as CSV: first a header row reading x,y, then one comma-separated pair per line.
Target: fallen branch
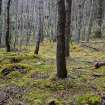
x,y
98,75
99,64
96,49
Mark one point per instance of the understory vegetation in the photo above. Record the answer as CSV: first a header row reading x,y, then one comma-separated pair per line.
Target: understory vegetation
x,y
52,52
31,79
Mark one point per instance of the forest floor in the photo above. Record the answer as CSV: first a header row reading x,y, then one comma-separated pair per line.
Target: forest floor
x,y
28,79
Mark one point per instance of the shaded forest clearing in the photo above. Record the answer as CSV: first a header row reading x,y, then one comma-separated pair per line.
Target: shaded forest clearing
x,y
25,78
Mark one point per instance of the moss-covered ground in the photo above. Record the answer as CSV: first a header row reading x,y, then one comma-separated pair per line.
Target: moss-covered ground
x,y
38,86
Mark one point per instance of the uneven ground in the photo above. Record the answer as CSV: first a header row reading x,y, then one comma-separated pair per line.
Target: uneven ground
x,y
26,79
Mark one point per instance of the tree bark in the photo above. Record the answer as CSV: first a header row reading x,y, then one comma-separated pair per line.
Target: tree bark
x,y
0,21
68,25
90,22
99,18
7,38
61,62
0,6
38,43
40,27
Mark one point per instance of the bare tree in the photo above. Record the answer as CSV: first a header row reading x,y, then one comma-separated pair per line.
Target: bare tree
x,y
40,27
89,26
61,62
7,38
0,6
68,26
99,18
0,20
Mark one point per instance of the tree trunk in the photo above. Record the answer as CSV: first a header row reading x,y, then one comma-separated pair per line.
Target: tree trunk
x,y
79,22
0,21
40,26
0,6
7,39
99,18
68,25
38,43
61,62
90,22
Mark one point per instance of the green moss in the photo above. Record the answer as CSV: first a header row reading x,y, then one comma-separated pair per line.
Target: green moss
x,y
15,59
15,75
34,98
53,86
24,66
37,102
89,99
24,81
53,77
9,66
42,91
